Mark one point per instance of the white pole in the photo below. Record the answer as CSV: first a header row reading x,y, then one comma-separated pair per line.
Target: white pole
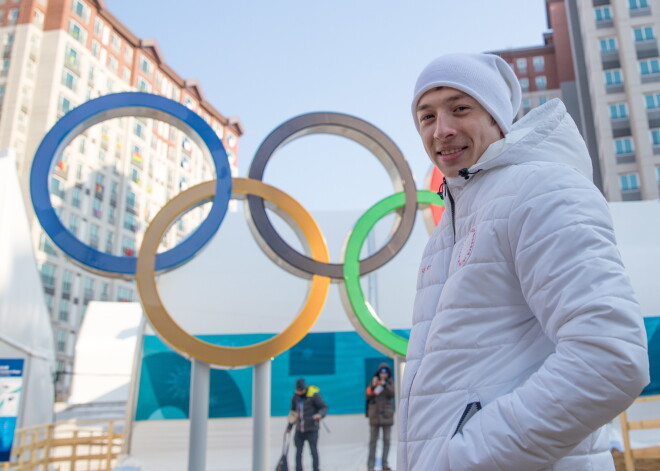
x,y
199,413
261,415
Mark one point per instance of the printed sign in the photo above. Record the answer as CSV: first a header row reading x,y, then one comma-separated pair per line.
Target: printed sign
x,y
11,386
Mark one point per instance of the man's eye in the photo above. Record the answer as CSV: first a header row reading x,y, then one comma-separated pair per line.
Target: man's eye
x,y
426,117
461,108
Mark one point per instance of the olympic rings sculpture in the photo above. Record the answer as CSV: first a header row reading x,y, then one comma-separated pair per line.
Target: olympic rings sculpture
x,y
314,264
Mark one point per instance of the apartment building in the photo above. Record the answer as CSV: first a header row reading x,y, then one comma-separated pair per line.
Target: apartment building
x,y
603,62
114,177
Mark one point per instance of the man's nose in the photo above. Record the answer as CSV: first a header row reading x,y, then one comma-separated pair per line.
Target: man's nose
x,y
443,129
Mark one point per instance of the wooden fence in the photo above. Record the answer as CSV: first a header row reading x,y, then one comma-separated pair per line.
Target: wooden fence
x,y
70,446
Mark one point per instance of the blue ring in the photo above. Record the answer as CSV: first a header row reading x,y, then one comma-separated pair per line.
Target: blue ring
x,y
115,106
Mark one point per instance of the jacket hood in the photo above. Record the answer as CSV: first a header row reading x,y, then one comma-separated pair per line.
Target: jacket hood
x,y
546,134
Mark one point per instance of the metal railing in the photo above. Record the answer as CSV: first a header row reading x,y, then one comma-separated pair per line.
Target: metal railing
x,y
71,446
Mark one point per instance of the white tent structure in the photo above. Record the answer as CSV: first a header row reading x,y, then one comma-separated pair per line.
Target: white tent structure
x,y
25,329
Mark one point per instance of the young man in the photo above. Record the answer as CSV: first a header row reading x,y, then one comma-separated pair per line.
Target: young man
x,y
526,336
380,410
307,410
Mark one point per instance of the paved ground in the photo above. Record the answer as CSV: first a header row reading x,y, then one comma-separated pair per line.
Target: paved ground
x,y
640,465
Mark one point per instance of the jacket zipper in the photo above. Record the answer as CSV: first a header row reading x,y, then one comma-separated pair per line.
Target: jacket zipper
x,y
471,409
444,188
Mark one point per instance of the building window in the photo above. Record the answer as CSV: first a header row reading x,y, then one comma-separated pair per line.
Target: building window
x,y
112,214
95,48
629,182
637,4
45,245
48,275
113,64
644,33
127,246
80,9
77,32
603,14
97,210
543,100
57,187
66,282
105,291
521,64
143,85
65,105
64,310
608,45
613,77
48,298
526,105
131,200
649,66
72,57
61,340
652,101
73,224
12,19
115,42
657,172
108,244
655,137
524,84
88,290
124,295
76,193
619,111
94,236
623,146
135,175
68,80
145,66
541,82
539,63
130,222
98,25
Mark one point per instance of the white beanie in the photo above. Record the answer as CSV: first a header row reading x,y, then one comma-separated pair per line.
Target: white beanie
x,y
485,77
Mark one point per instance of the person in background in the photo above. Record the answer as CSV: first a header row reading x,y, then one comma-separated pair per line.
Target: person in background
x,y
380,410
307,410
526,334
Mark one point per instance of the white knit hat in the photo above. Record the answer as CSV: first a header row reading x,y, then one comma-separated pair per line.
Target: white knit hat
x,y
485,77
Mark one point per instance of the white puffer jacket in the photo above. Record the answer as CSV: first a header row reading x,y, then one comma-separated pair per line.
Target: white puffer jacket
x,y
526,333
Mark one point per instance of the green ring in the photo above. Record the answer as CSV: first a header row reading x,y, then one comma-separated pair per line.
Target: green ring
x,y
361,310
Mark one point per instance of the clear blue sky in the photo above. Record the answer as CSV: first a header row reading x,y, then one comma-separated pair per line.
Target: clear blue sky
x,y
267,61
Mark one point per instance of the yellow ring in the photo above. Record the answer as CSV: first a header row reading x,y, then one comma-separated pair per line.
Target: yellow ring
x,y
185,343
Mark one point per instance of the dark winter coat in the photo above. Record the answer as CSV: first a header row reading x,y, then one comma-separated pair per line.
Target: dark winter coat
x,y
380,407
313,404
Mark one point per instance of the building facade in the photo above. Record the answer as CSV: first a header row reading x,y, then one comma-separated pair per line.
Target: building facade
x,y
114,177
604,56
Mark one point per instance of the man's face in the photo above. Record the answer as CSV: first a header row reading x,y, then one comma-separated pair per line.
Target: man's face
x,y
300,392
455,129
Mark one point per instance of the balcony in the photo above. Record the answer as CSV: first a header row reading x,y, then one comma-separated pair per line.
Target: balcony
x,y
605,23
646,49
614,87
610,60
631,195
620,127
653,116
650,78
600,3
646,11
626,158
